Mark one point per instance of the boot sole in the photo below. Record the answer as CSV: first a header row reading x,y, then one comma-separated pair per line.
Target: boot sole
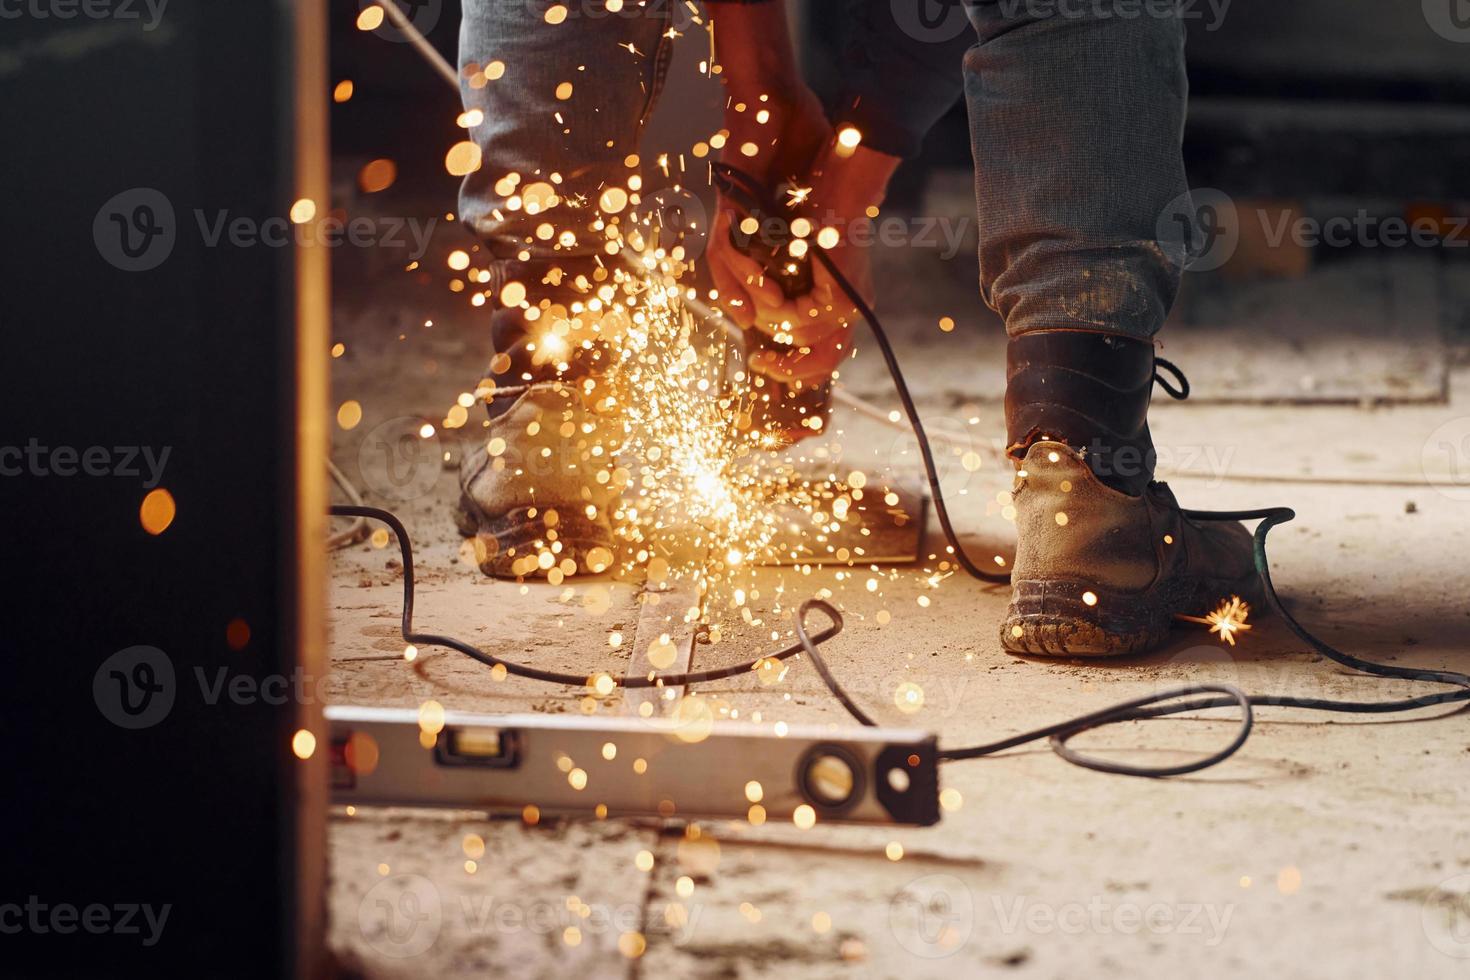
x,y
508,538
1055,618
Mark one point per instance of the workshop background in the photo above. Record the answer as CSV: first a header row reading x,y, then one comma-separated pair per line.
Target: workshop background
x,y
1320,373
1332,376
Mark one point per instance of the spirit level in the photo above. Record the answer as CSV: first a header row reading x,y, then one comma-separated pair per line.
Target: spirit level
x,y
655,767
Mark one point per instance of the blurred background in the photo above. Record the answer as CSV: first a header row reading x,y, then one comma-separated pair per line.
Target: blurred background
x,y
1303,112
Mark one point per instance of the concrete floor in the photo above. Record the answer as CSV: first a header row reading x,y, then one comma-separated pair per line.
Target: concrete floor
x,y
1331,846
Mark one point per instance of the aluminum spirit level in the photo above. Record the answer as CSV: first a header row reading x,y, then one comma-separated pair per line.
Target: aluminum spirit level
x,y
655,767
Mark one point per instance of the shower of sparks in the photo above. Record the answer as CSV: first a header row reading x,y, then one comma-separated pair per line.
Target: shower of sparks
x,y
1228,619
707,496
703,492
662,423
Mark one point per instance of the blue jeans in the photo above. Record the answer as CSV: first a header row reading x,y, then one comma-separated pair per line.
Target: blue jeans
x,y
1076,118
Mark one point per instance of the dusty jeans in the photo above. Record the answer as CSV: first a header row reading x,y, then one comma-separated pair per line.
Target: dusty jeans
x,y
1076,116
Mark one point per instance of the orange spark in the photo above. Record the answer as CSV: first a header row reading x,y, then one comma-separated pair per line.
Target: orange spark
x,y
1227,619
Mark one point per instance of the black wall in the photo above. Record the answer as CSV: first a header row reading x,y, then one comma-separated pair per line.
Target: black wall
x,y
193,356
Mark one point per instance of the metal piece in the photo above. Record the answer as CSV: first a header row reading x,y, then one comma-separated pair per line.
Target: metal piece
x,y
875,532
661,612
654,767
839,393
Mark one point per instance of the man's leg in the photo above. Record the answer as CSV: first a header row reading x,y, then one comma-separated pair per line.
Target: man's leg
x,y
561,109
1076,124
1076,120
899,67
561,106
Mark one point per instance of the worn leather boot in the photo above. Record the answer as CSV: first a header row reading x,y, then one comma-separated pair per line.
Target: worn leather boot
x,y
1106,559
537,492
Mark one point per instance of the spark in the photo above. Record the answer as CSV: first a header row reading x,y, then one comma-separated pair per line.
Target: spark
x,y
704,486
796,195
1228,619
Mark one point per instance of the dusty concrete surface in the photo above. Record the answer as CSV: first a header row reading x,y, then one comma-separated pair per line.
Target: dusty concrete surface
x,y
1331,846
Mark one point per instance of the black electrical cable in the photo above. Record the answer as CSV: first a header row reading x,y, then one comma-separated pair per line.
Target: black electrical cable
x,y
1150,706
410,635
1153,706
1179,393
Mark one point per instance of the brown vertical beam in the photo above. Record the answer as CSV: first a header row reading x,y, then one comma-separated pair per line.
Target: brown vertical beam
x,y
307,498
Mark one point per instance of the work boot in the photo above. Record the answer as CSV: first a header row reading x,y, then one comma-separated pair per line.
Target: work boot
x,y
1105,558
537,491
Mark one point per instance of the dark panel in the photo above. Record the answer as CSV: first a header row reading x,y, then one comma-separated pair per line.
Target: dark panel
x,y
186,110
